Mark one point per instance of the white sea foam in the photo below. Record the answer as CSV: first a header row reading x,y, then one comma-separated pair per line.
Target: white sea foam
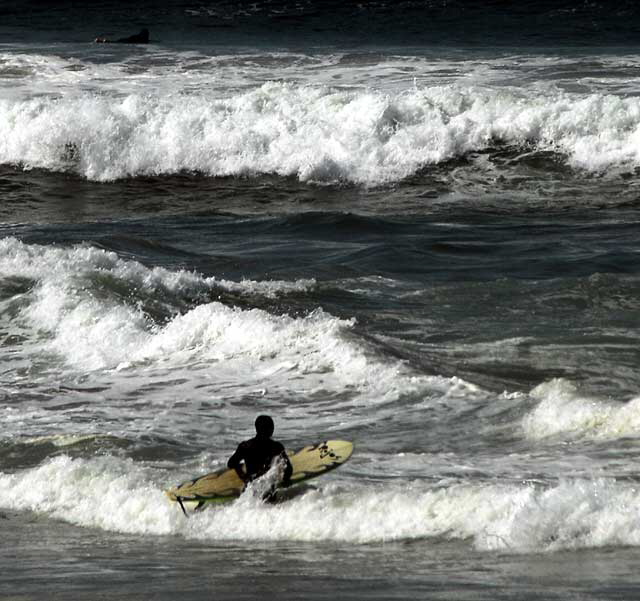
x,y
61,264
94,330
315,133
120,495
92,327
563,411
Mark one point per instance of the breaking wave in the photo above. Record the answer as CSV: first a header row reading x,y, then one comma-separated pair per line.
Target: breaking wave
x,y
96,311
562,411
119,495
314,133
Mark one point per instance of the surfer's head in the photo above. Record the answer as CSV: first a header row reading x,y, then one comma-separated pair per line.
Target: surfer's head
x,y
264,426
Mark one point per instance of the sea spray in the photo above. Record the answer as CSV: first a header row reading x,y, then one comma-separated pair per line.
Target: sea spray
x,y
314,133
76,302
563,412
122,496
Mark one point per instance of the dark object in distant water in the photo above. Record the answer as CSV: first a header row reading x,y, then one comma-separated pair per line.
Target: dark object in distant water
x,y
138,38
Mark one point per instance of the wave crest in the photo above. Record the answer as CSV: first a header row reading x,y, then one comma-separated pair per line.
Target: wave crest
x,y
563,411
571,514
311,132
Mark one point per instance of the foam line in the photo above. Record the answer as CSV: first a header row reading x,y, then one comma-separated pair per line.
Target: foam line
x,y
314,133
76,309
562,411
120,495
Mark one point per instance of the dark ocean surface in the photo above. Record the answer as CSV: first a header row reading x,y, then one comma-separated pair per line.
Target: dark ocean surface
x,y
412,225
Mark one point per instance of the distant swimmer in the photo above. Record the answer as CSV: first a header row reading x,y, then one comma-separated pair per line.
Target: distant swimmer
x,y
138,38
259,454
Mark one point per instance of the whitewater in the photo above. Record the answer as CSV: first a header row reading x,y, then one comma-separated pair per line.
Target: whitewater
x,y
430,250
92,314
105,127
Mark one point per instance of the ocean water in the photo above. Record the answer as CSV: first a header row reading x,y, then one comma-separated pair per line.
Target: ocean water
x,y
412,225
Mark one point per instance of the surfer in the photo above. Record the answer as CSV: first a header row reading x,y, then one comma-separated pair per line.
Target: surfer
x,y
138,38
259,454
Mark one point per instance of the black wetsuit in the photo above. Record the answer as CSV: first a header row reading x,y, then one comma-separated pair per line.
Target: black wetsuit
x,y
258,454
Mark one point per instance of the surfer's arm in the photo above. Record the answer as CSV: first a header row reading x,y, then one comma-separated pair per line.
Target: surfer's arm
x,y
288,468
235,463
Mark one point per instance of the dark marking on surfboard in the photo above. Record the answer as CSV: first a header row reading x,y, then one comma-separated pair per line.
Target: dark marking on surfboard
x,y
325,451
